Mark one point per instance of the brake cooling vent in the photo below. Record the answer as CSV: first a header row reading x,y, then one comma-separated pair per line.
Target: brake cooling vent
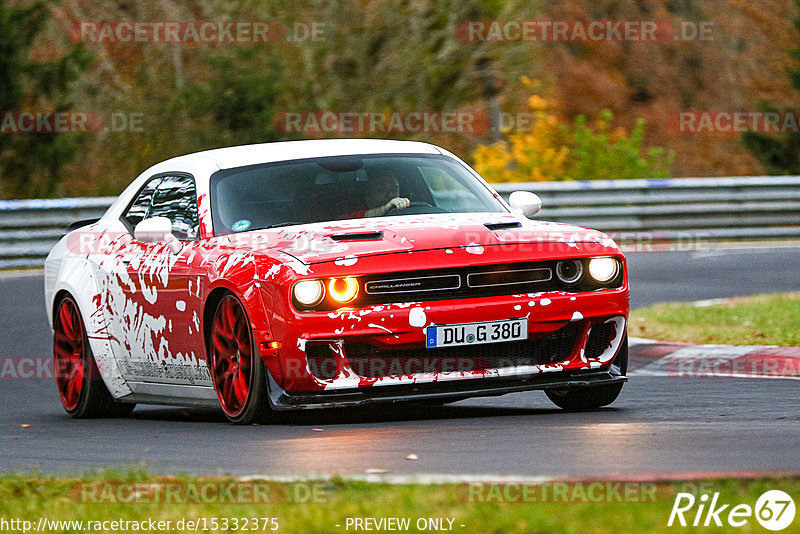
x,y
321,362
599,339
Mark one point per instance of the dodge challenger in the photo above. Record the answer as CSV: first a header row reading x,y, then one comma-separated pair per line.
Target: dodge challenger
x,y
330,273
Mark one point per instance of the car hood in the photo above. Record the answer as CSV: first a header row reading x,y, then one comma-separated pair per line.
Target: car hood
x,y
342,241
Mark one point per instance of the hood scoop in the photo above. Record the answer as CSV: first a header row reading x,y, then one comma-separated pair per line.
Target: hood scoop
x,y
503,226
361,236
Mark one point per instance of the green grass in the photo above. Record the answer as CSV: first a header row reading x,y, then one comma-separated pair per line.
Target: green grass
x,y
30,497
759,320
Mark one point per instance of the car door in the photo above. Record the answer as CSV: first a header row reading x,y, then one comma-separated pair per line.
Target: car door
x,y
161,326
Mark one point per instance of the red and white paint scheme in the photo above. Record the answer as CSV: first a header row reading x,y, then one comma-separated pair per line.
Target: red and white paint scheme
x,y
327,273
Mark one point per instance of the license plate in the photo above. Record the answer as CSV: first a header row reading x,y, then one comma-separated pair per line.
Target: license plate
x,y
476,333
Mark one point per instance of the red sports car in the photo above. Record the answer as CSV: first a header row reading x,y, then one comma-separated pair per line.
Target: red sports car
x,y
328,273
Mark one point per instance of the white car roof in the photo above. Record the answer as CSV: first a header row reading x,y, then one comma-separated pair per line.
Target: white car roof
x,y
203,164
238,156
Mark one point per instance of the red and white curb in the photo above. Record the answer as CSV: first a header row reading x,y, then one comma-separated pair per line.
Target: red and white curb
x,y
683,360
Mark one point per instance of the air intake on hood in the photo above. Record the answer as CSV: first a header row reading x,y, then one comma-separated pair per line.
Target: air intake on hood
x,y
363,236
503,226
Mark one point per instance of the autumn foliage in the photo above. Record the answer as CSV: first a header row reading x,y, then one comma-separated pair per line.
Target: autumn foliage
x,y
556,149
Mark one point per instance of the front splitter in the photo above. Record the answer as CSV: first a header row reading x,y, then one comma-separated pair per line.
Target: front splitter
x,y
283,400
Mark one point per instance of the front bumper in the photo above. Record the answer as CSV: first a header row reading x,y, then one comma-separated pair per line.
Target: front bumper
x,y
282,400
394,331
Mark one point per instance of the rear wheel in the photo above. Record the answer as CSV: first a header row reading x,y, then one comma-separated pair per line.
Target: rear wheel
x,y
590,398
80,386
238,374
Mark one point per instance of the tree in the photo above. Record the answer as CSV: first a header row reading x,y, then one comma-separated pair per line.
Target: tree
x,y
781,155
30,164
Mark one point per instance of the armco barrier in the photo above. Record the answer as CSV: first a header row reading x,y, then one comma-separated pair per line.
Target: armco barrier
x,y
30,228
753,207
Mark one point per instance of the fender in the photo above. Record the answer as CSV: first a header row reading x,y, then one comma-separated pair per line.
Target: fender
x,y
77,277
242,278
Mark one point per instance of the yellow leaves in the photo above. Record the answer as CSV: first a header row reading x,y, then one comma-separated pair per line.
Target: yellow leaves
x,y
492,157
532,155
544,147
537,103
527,82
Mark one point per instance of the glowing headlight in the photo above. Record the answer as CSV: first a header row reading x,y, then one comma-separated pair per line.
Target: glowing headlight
x,y
309,292
343,289
569,271
603,269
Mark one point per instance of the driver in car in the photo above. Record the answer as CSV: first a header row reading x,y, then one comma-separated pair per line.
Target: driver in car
x,y
382,195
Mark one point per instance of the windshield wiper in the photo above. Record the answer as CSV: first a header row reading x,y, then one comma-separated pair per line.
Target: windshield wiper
x,y
278,225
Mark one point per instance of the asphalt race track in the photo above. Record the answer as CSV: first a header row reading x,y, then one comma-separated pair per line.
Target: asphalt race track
x,y
659,424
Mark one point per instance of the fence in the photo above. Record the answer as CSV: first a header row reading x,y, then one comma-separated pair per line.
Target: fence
x,y
758,207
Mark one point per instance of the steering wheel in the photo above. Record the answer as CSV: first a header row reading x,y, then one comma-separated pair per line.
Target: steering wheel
x,y
413,204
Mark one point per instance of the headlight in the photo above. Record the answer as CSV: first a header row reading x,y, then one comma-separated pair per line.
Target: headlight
x,y
569,271
603,269
343,290
309,292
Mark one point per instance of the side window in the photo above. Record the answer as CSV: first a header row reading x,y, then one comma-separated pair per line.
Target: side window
x,y
138,209
448,192
176,199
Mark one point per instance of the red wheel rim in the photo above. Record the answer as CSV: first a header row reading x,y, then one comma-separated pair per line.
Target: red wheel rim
x,y
231,356
68,353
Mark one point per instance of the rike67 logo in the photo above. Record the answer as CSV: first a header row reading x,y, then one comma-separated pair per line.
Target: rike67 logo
x,y
774,510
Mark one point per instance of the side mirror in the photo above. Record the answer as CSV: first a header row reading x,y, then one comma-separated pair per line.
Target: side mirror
x,y
525,202
157,230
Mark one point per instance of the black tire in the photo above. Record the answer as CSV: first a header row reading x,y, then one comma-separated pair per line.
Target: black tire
x,y
593,397
94,399
256,407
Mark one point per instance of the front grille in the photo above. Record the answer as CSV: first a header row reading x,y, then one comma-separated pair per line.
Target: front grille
x,y
599,339
369,361
469,282
411,285
507,278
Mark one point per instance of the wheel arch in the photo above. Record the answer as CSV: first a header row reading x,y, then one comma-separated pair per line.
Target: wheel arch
x,y
210,307
255,308
77,279
60,295
250,298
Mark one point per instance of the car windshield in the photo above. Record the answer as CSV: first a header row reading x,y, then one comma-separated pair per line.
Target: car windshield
x,y
344,187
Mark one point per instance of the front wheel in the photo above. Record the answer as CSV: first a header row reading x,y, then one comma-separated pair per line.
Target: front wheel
x,y
80,386
593,397
585,398
238,374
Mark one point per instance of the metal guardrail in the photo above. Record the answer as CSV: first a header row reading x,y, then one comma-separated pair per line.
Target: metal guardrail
x,y
662,210
30,228
674,210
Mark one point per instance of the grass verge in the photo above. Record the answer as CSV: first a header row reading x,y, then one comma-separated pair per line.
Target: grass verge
x,y
321,506
758,320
